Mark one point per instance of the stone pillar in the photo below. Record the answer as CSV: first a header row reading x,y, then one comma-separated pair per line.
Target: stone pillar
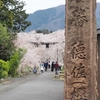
x,y
80,50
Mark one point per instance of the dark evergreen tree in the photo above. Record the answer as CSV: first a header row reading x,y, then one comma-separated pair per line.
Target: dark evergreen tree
x,y
6,44
13,16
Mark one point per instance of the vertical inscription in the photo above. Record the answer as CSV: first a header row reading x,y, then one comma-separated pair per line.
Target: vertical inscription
x,y
79,93
78,16
79,71
78,50
78,68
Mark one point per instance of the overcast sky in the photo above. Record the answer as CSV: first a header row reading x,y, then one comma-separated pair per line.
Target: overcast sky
x,y
33,5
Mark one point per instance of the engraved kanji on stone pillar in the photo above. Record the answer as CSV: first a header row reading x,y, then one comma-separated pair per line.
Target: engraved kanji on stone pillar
x,y
80,50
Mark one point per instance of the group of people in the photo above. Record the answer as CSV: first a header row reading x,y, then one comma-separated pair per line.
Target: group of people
x,y
55,66
47,65
42,67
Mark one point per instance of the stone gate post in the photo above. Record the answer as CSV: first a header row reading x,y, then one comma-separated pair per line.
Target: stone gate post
x,y
80,50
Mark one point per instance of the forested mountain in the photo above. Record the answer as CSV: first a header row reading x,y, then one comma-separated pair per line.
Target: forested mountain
x,y
53,18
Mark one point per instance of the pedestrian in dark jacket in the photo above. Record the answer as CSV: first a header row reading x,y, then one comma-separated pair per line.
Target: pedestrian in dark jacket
x,y
52,66
56,66
46,66
35,70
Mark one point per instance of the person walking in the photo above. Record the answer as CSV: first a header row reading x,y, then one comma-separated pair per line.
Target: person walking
x,y
35,70
45,65
52,66
56,66
41,67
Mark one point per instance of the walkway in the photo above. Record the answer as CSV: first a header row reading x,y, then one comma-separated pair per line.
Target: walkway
x,y
33,87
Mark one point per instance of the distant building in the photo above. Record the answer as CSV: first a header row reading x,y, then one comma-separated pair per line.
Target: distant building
x,y
98,31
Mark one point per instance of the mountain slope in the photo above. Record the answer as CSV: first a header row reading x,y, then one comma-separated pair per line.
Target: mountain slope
x,y
53,18
47,19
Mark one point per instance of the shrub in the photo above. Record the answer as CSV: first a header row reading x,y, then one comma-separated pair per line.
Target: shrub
x,y
4,68
4,74
15,61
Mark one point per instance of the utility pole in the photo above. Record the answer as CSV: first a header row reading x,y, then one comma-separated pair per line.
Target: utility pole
x,y
57,54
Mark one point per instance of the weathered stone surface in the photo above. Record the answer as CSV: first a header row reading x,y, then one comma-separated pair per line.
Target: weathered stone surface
x,y
80,50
